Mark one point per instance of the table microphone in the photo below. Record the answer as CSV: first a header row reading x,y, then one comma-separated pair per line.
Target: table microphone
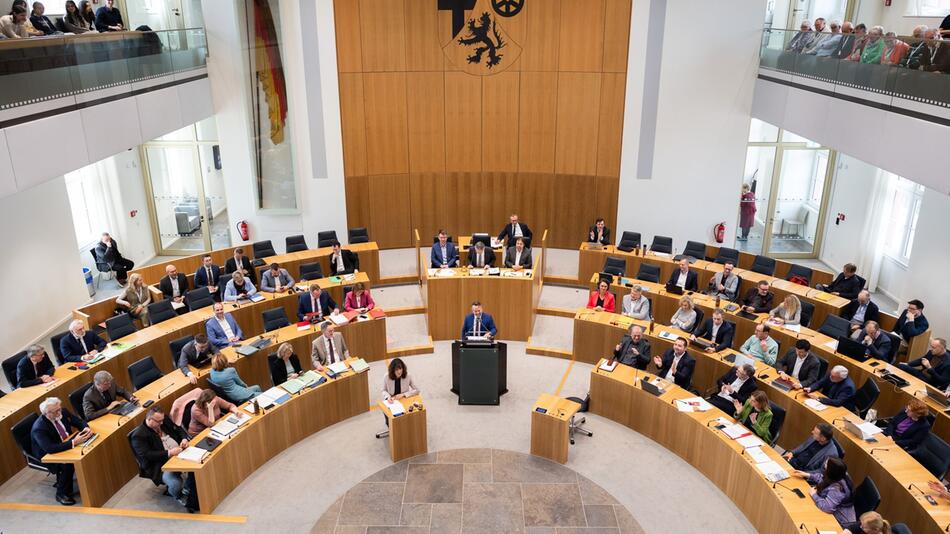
x,y
121,417
920,391
796,491
803,527
835,420
871,452
166,388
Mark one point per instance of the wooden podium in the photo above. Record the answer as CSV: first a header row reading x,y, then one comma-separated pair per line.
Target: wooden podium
x,y
407,433
549,430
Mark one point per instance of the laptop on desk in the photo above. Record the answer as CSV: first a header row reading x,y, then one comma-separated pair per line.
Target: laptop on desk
x,y
702,343
650,387
673,289
852,349
937,395
124,409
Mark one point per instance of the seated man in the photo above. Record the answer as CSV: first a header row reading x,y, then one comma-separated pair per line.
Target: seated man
x,y
911,322
933,367
736,385
80,345
329,348
276,279
315,304
799,365
208,275
760,345
478,323
444,254
50,434
103,396
724,284
109,18
518,257
860,310
481,256
676,365
223,330
240,262
599,233
514,229
155,441
758,299
196,353
845,285
107,251
174,285
35,369
683,277
717,330
878,343
837,388
633,349
343,261
811,455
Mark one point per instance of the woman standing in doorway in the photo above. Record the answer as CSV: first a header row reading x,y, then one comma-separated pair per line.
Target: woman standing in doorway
x,y
746,212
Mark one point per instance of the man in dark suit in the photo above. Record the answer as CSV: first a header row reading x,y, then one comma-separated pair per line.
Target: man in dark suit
x,y
918,47
107,251
633,349
481,256
174,285
343,261
103,396
911,322
860,310
444,253
208,275
240,262
316,303
737,384
196,353
518,257
847,284
838,388
878,343
51,434
599,233
478,323
676,365
514,229
683,277
937,58
35,368
717,330
80,345
799,365
155,441
933,367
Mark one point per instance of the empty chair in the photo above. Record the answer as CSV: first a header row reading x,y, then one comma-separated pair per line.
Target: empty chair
x,y
699,319
835,327
822,366
662,244
143,373
104,268
763,265
358,235
186,417
54,341
161,311
695,249
895,345
900,528
778,419
75,398
801,271
615,266
865,396
933,454
295,243
120,326
263,249
727,255
21,434
198,298
649,273
176,345
274,319
9,368
629,241
311,271
808,309
866,497
325,239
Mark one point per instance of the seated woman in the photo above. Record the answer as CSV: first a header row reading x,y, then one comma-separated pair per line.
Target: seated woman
x,y
910,427
602,299
284,364
833,490
40,21
789,312
359,299
636,305
74,21
136,298
226,377
207,410
238,287
870,523
755,414
685,316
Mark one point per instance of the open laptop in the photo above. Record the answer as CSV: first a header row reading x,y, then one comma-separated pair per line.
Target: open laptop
x,y
649,387
124,409
702,343
852,349
939,396
673,289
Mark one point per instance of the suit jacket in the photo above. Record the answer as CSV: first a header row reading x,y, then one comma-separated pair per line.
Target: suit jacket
x,y
231,266
149,451
525,262
624,356
817,462
96,404
508,233
730,288
351,262
406,384
201,276
488,325
807,375
489,256
604,239
940,61
320,354
879,348
269,283
45,439
938,376
610,302
165,284
872,313
836,394
278,371
692,283
745,390
366,301
190,356
724,335
684,370
72,348
451,255
845,287
216,334
29,375
908,330
913,436
109,255
304,306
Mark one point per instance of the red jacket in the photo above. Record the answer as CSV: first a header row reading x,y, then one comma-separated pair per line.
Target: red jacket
x,y
609,301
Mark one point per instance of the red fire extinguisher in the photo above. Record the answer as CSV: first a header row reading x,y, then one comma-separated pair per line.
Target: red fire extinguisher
x,y
242,229
719,231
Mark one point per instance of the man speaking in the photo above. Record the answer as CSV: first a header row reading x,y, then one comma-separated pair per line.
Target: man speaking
x,y
478,323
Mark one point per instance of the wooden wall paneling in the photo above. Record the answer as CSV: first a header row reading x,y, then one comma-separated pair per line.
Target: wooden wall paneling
x,y
578,117
423,51
353,124
357,203
383,31
444,33
500,105
616,35
427,202
610,130
517,30
349,49
574,208
426,104
389,210
537,121
387,123
463,122
581,39
541,42
606,190
532,195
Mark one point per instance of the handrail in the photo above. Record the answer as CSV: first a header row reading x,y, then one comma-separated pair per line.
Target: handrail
x,y
418,255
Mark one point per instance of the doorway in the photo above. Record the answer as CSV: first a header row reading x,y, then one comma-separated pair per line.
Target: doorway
x,y
164,14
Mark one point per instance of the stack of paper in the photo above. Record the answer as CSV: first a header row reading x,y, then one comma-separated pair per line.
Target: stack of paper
x,y
177,305
395,407
193,454
833,344
116,348
694,404
608,365
815,405
224,428
773,472
668,335
757,455
736,431
256,297
445,272
238,419
339,319
750,441
337,368
359,365
311,378
303,326
293,386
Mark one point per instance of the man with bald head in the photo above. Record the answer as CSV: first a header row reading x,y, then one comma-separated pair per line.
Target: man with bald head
x,y
174,284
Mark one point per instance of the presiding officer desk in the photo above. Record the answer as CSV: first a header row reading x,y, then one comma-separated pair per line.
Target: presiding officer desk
x,y
891,468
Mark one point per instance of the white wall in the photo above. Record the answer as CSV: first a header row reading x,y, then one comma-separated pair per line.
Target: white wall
x,y
874,12
851,196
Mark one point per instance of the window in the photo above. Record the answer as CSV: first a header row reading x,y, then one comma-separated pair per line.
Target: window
x,y
927,8
87,203
817,186
906,197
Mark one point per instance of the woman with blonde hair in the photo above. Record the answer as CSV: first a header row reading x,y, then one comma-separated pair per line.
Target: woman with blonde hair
x,y
226,377
789,312
685,316
869,523
136,298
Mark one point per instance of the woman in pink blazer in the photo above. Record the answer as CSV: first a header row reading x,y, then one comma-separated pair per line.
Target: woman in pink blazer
x,y
359,299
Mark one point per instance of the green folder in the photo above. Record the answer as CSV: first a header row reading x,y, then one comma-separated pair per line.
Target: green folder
x,y
336,279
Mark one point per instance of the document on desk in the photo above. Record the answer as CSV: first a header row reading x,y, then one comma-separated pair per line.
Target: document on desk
x,y
748,442
668,335
693,404
359,365
773,471
339,319
814,404
792,327
177,305
292,386
311,378
238,419
757,455
193,454
444,273
224,428
833,344
338,367
608,365
395,407
736,431
116,348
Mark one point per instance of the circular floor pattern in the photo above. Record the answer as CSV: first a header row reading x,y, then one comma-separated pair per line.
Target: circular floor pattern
x,y
476,491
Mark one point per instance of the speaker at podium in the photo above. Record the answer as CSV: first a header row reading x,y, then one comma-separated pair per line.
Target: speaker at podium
x,y
479,371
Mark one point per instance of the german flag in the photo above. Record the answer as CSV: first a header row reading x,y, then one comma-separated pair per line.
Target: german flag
x,y
270,69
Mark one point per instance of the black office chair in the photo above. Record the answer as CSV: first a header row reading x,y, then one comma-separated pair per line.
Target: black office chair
x,y
865,396
57,353
21,434
629,241
895,345
694,249
738,295
104,268
727,255
263,249
75,398
933,454
175,347
662,244
9,368
808,310
311,271
120,326
835,327
778,419
326,239
799,270
699,320
763,265
274,319
220,392
143,473
198,298
649,273
822,367
143,373
223,284
186,417
161,311
900,528
615,266
295,243
862,283
866,497
358,235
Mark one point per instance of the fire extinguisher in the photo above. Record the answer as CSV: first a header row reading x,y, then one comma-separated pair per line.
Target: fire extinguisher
x,y
719,231
242,229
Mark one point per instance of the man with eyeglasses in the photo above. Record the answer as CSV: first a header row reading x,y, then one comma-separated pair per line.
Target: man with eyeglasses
x,y
155,441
